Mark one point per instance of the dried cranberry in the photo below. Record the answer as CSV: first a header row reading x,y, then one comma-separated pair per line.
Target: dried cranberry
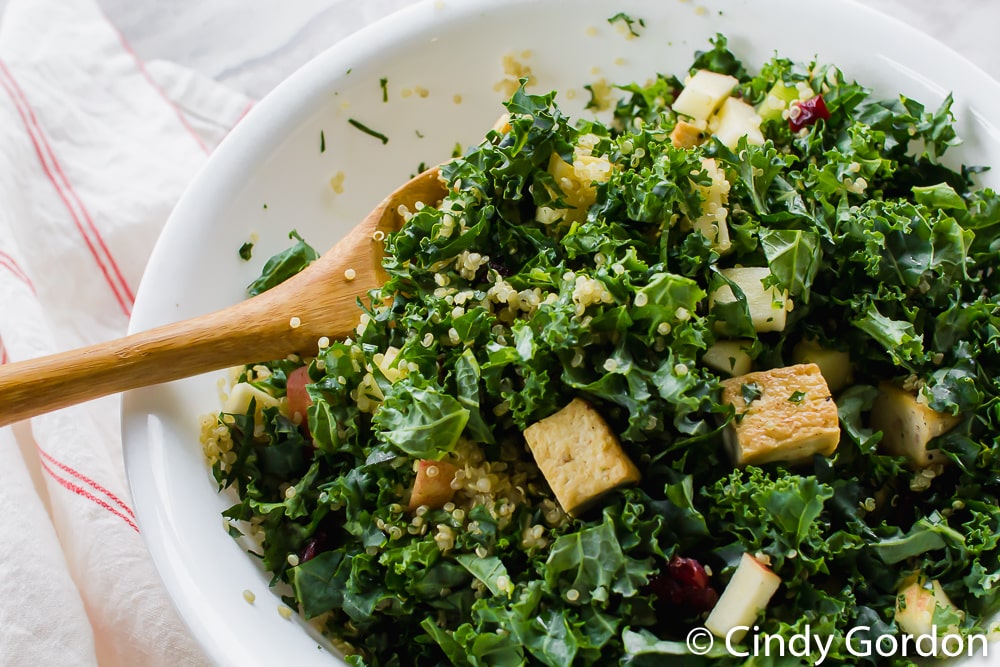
x,y
500,268
316,545
684,583
807,112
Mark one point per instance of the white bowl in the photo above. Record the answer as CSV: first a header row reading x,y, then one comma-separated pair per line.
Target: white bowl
x,y
270,176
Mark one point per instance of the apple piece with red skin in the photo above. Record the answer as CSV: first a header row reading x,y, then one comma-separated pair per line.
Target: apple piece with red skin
x,y
917,600
432,485
748,592
298,398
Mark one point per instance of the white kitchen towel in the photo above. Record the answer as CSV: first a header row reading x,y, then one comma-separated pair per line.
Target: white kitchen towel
x,y
95,149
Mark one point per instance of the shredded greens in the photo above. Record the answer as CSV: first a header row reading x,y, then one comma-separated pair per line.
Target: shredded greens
x,y
527,288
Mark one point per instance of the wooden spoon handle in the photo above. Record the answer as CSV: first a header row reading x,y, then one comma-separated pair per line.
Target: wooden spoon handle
x,y
171,352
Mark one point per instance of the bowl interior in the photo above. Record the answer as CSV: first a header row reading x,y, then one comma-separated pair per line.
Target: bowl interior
x,y
428,79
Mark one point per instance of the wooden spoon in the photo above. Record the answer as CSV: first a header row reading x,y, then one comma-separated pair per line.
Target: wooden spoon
x,y
291,317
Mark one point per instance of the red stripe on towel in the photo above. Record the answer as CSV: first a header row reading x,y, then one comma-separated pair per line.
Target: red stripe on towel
x,y
145,73
8,263
243,114
83,493
86,480
81,218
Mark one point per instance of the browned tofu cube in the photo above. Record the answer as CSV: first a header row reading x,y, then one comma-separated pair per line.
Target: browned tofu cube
x,y
579,456
784,414
908,425
687,135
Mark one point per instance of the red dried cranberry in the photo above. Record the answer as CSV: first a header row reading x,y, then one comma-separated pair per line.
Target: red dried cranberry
x,y
684,583
807,112
500,268
313,547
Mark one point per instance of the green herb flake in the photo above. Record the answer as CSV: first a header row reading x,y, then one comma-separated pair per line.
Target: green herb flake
x,y
631,24
750,391
322,141
367,130
246,251
384,85
797,397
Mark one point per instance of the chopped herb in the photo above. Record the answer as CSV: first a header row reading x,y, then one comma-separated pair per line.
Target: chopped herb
x,y
457,150
797,397
751,391
629,22
246,250
322,142
367,130
384,84
420,135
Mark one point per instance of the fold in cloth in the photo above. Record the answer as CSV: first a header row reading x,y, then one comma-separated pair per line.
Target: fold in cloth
x,y
95,149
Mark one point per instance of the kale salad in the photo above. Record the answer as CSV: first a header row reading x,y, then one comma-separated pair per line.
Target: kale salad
x,y
728,359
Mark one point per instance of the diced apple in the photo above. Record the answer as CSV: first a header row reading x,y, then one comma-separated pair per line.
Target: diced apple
x,y
747,594
240,396
432,485
703,93
835,365
578,195
916,602
734,120
767,307
908,425
729,356
777,100
502,124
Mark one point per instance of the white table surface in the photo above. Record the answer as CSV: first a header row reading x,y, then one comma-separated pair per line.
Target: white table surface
x,y
252,45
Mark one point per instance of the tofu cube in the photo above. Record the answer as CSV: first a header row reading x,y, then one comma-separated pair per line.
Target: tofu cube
x,y
687,135
579,455
729,356
703,93
784,414
768,307
908,425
